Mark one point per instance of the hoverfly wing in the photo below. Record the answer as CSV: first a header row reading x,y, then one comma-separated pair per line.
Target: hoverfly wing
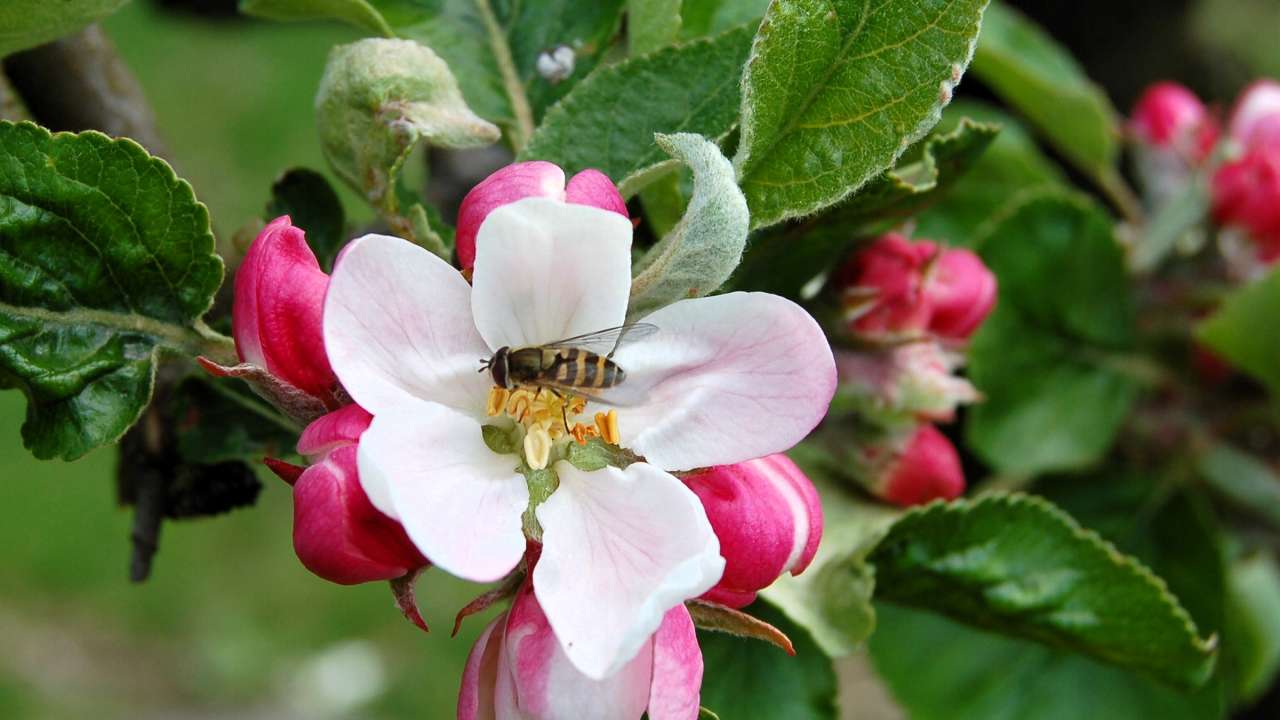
x,y
612,397
607,341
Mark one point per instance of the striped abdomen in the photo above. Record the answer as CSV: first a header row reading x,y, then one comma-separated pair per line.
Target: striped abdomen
x,y
583,369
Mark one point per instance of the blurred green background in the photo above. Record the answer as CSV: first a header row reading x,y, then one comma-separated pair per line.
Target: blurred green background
x,y
230,625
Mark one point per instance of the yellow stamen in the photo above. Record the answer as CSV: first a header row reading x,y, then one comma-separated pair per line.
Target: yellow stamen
x,y
497,401
549,417
607,425
537,447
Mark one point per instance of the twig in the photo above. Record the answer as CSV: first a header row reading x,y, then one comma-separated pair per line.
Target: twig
x,y
81,83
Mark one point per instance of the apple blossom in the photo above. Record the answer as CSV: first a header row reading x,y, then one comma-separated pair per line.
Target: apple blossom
x,y
899,288
768,518
518,671
917,380
535,178
1255,121
962,293
927,468
337,533
726,379
1171,118
882,287
1246,197
279,296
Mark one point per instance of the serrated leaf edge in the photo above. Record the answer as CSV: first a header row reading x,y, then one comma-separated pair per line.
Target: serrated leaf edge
x,y
1207,645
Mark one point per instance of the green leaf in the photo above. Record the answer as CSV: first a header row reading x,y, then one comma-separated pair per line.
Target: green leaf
x,y
105,257
377,100
652,24
356,12
782,259
28,23
750,679
1032,73
700,253
1249,482
832,597
313,205
601,124
597,455
1053,358
1011,165
912,186
701,18
1244,331
836,90
941,670
1018,565
1253,626
215,422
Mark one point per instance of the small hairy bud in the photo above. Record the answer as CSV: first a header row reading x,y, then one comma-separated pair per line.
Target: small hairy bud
x,y
377,99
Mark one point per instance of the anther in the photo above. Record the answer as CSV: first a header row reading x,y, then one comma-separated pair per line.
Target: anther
x,y
497,401
607,424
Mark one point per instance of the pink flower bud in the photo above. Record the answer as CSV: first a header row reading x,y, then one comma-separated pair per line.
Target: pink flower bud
x,y
1256,118
882,287
536,178
768,518
927,469
1168,116
962,292
517,671
1246,195
337,532
279,297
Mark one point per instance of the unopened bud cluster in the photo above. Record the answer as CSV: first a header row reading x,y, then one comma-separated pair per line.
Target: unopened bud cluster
x,y
910,306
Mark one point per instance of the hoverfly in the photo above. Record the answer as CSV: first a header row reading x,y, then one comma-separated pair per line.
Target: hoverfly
x,y
568,366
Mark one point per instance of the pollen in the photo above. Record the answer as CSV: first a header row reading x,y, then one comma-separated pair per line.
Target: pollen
x,y
607,426
548,417
537,447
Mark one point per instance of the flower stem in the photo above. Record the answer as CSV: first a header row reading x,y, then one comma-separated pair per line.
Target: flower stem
x,y
510,77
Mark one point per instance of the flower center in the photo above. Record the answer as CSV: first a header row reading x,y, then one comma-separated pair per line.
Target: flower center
x,y
548,417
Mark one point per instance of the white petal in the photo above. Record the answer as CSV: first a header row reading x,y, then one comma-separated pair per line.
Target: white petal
x,y
620,548
547,270
725,379
397,322
459,501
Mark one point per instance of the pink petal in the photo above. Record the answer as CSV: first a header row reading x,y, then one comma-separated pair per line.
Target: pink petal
x,y
620,549
537,178
279,295
459,501
677,669
338,534
476,697
726,378
340,427
548,686
882,287
962,292
928,469
547,270
398,325
594,188
1256,118
1166,113
768,518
